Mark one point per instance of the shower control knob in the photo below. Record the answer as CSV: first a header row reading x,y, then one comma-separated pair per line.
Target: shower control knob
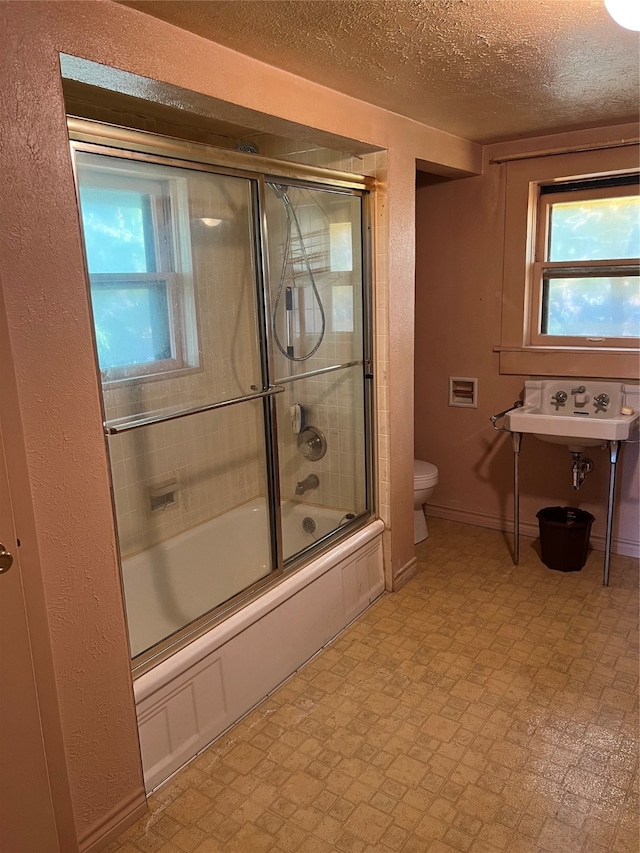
x,y
6,559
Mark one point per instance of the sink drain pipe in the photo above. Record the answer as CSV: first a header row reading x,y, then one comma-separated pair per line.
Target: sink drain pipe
x,y
579,469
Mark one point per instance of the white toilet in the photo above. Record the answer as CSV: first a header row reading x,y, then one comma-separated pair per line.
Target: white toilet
x,y
425,479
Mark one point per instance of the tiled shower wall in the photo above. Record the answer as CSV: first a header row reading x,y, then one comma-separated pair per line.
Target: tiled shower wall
x,y
216,459
213,461
333,402
334,405
328,402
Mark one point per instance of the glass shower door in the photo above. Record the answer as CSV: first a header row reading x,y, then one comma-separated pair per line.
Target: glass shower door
x,y
315,250
174,276
236,403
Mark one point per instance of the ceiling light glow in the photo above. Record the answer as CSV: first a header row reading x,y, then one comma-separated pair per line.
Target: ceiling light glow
x,y
624,12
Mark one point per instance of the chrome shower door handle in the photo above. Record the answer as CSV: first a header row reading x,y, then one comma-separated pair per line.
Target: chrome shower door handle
x,y
6,559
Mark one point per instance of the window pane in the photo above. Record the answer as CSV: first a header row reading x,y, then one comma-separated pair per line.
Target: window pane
x,y
342,307
118,230
592,307
340,247
132,324
595,229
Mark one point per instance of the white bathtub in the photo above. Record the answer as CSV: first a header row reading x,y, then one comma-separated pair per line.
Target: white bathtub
x,y
177,581
190,698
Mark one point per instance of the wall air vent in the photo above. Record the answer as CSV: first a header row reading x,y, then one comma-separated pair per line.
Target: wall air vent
x,y
463,392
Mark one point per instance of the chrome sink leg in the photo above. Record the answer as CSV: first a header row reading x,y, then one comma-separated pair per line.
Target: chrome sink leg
x,y
614,447
516,439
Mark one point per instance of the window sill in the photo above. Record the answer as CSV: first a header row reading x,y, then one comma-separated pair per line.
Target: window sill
x,y
569,361
138,379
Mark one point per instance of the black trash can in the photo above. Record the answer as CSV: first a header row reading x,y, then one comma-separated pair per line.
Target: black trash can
x,y
564,537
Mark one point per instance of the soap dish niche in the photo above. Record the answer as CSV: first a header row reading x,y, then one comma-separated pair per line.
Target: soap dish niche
x,y
463,392
162,496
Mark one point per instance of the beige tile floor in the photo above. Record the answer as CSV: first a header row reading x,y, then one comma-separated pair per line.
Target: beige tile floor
x,y
483,708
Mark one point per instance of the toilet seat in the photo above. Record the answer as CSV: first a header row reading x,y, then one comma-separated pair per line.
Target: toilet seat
x,y
425,474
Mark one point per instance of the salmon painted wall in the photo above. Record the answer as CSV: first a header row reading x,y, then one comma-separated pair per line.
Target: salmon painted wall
x,y
44,290
460,252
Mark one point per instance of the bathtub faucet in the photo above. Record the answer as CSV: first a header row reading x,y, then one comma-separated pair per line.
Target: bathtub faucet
x,y
310,482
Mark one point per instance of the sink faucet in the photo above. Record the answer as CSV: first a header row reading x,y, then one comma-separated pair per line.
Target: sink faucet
x,y
310,482
580,396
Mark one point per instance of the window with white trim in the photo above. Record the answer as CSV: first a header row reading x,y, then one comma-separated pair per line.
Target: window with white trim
x,y
585,287
138,261
569,288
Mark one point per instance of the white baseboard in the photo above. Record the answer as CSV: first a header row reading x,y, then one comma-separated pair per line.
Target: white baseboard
x,y
624,547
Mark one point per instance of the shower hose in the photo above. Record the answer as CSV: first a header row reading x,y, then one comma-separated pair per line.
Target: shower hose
x,y
293,222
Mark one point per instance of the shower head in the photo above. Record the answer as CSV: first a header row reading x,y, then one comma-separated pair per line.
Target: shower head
x,y
246,147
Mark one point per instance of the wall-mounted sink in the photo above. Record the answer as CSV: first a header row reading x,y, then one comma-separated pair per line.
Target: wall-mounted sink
x,y
576,412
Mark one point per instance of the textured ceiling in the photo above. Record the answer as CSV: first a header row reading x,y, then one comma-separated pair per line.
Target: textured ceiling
x,y
485,70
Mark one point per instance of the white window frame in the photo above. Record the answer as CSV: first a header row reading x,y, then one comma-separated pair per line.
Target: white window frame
x,y
518,352
171,236
541,266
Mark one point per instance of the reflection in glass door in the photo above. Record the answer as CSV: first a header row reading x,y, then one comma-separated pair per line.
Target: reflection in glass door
x,y
317,321
173,273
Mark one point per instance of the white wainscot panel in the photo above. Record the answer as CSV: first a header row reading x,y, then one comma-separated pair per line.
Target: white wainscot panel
x,y
187,701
